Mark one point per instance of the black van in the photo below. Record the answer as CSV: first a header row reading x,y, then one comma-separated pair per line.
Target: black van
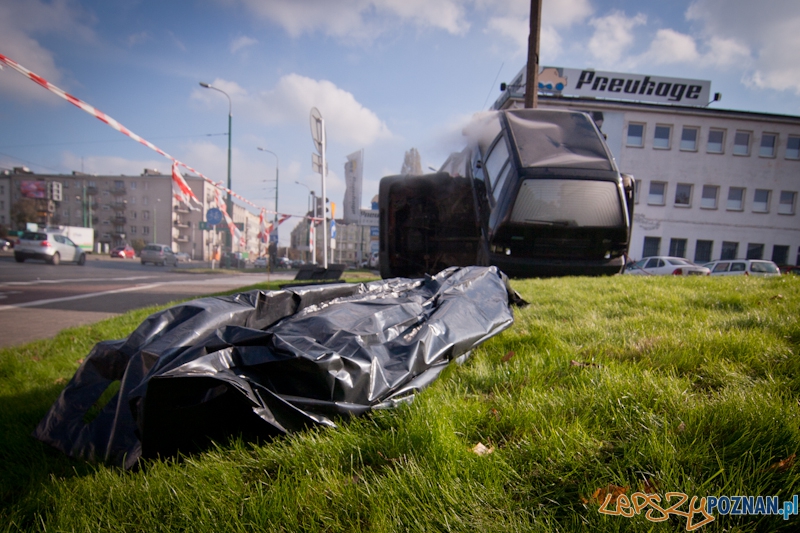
x,y
535,192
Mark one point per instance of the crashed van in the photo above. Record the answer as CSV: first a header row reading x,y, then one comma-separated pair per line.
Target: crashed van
x,y
535,192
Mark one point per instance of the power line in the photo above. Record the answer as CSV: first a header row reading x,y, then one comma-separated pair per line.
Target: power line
x,y
494,84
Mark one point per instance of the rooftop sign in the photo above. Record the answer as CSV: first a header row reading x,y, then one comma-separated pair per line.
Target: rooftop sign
x,y
614,85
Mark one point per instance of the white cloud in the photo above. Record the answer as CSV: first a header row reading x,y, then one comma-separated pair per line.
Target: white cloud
x,y
670,46
512,20
290,102
359,20
137,38
242,42
112,166
767,32
613,35
20,20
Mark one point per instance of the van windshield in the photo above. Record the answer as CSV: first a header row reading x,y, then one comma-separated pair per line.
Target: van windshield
x,y
566,202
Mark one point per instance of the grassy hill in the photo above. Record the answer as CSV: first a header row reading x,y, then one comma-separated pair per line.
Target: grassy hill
x,y
604,386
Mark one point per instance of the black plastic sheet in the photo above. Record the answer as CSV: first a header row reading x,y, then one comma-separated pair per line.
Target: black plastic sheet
x,y
265,363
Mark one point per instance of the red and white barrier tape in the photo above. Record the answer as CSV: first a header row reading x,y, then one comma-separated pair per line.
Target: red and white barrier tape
x,y
4,60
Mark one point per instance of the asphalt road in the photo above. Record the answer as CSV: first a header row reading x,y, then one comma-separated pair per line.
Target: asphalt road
x,y
38,300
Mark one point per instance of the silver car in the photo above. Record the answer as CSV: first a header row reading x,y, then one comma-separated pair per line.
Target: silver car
x,y
48,246
158,254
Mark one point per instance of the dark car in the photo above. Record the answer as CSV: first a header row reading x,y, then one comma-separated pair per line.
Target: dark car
x,y
535,193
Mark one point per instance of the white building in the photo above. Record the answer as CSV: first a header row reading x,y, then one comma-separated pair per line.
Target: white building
x,y
711,183
124,208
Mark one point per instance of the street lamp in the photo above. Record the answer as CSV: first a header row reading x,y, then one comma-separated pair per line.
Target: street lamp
x,y
277,166
229,200
312,222
155,220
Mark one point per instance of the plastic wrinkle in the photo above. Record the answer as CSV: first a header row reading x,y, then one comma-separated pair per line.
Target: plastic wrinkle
x,y
261,364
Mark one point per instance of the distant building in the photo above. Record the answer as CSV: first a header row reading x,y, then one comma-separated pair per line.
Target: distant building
x,y
710,183
123,208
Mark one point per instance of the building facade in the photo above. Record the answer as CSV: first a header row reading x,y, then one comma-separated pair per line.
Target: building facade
x,y
710,183
124,208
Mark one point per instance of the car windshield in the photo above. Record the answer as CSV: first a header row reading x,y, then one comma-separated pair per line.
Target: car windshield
x,y
31,236
566,202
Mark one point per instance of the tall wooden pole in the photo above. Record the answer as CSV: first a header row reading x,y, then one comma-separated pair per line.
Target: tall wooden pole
x,y
532,75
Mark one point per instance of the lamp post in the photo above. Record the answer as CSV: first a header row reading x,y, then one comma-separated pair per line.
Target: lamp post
x,y
277,167
229,200
155,220
313,203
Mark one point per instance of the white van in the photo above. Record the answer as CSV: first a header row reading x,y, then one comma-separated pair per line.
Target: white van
x,y
743,267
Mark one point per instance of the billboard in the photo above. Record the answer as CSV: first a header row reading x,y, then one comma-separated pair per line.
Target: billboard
x,y
608,85
353,175
33,189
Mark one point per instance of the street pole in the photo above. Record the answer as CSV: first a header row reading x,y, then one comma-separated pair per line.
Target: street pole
x,y
324,202
229,199
532,73
277,170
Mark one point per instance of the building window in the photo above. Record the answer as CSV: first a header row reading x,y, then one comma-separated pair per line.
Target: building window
x,y
793,147
145,230
716,141
636,191
132,185
636,135
145,215
741,143
786,205
735,199
689,139
651,246
755,250
709,198
661,137
702,252
729,250
768,143
761,201
677,247
780,254
658,191
683,195
145,200
133,230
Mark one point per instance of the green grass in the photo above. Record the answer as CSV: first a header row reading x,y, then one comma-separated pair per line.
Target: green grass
x,y
686,385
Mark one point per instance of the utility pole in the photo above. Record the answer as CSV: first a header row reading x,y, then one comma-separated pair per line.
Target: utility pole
x,y
532,74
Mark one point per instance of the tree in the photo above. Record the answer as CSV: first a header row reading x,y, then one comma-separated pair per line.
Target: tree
x,y
138,244
23,211
411,163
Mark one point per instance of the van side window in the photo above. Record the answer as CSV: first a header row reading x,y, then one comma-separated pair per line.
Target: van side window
x,y
721,267
496,160
737,267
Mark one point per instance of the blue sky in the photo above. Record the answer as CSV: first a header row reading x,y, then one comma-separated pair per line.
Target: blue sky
x,y
387,75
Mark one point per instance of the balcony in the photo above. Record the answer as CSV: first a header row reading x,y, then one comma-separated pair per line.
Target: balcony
x,y
119,191
181,224
91,191
180,208
119,206
182,238
119,221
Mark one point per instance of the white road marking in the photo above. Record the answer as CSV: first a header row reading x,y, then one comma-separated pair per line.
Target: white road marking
x,y
79,296
54,281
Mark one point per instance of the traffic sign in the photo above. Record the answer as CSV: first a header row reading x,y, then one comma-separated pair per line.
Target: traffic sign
x,y
333,229
316,128
213,216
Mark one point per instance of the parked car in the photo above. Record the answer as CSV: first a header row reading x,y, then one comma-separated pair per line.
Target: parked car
x,y
744,267
48,246
6,244
260,262
666,266
183,257
125,252
234,260
158,254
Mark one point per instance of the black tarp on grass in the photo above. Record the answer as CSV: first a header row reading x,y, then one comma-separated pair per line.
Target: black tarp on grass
x,y
265,363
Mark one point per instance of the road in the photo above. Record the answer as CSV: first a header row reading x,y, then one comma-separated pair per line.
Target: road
x,y
38,300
